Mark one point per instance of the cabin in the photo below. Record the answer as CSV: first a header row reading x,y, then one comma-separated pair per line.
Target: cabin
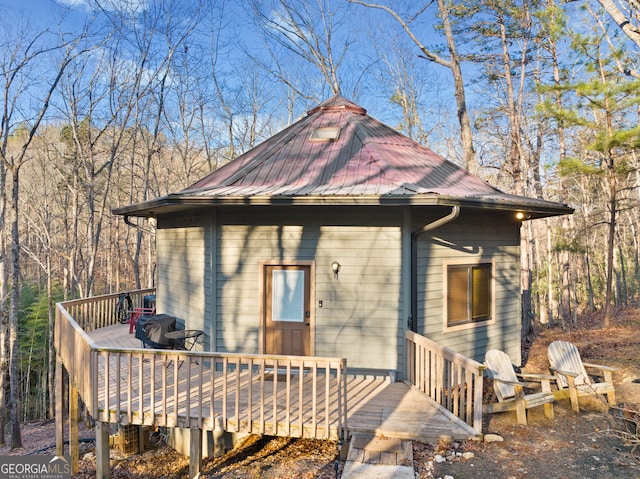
x,y
334,238
341,277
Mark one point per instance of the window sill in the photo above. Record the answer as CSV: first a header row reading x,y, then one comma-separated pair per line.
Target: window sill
x,y
468,325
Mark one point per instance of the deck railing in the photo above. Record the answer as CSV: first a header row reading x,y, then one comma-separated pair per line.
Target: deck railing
x,y
100,311
451,379
275,395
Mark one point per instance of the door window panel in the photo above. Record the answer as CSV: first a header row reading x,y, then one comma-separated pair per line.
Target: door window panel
x,y
287,298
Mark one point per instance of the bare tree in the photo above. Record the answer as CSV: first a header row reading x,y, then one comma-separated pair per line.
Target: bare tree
x,y
453,63
114,105
406,83
190,137
40,217
308,30
21,64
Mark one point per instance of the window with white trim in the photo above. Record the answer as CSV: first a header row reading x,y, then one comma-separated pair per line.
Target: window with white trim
x,y
469,291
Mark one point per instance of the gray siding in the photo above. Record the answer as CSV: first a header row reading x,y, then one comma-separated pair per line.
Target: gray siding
x,y
360,317
183,272
364,313
471,237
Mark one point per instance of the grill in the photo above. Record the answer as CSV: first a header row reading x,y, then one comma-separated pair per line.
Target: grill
x,y
152,330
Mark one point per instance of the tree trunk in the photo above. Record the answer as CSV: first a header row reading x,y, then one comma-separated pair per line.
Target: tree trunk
x,y
466,135
550,307
565,301
622,287
632,219
14,371
4,303
610,250
50,345
612,234
453,64
525,276
4,353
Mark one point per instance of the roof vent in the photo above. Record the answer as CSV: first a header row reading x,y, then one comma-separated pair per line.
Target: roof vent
x,y
325,133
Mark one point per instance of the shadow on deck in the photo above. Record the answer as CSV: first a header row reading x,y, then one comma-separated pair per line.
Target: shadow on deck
x,y
374,404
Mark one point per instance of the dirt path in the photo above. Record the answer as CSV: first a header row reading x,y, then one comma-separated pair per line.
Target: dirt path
x,y
572,447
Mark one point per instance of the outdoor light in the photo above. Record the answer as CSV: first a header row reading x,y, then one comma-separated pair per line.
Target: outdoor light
x,y
335,266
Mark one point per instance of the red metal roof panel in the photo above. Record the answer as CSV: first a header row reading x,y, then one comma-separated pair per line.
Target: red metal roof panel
x,y
368,159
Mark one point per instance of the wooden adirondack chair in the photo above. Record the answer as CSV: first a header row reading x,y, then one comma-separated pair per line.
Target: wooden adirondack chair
x,y
510,390
571,375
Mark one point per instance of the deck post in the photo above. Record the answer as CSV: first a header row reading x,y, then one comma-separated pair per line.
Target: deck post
x,y
103,466
59,407
74,449
477,402
195,452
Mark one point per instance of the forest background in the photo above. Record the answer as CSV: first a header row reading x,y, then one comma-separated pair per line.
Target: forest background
x,y
111,102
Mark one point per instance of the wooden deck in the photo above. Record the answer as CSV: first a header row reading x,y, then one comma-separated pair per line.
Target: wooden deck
x,y
374,405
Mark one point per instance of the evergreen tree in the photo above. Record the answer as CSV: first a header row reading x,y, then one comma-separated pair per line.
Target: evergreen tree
x,y
603,112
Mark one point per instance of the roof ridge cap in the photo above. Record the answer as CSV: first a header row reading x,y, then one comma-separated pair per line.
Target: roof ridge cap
x,y
329,108
337,103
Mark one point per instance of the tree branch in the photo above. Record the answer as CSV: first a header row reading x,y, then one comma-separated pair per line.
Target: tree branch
x,y
426,53
622,21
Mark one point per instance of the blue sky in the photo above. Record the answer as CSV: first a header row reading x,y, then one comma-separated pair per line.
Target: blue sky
x,y
363,59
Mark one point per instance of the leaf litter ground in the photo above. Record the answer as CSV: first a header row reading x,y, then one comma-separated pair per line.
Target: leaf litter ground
x,y
596,443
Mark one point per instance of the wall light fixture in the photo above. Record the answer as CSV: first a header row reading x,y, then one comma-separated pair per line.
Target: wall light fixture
x,y
335,266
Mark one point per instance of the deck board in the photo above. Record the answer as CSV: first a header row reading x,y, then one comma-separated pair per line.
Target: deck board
x,y
375,406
